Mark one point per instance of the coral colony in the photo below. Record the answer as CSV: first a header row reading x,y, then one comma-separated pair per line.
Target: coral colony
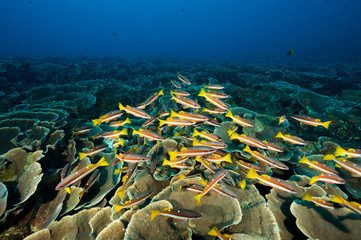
x,y
213,151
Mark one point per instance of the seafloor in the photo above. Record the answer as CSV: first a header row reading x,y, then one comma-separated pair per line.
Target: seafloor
x,y
43,101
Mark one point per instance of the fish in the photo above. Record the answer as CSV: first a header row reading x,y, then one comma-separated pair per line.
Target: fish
x,y
131,158
354,206
149,122
311,121
271,181
175,161
93,151
214,110
215,232
273,147
215,159
212,122
217,94
179,93
211,183
151,136
108,117
345,164
282,119
217,188
351,152
266,159
185,101
318,202
248,165
132,169
117,124
248,140
191,116
134,111
150,100
183,79
181,214
134,201
176,122
65,171
215,101
239,120
191,152
318,166
118,143
112,134
213,86
329,178
80,174
176,84
290,52
91,181
292,139
81,130
209,136
216,145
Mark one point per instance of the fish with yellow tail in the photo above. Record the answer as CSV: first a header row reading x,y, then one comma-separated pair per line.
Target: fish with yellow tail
x,y
318,166
215,232
311,121
108,117
117,124
134,111
345,164
134,201
351,152
271,181
93,151
266,159
318,202
328,178
151,99
282,119
212,182
181,214
80,174
215,101
239,120
354,206
183,79
126,179
291,139
151,136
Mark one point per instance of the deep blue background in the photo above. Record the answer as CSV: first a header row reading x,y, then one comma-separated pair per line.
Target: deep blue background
x,y
225,30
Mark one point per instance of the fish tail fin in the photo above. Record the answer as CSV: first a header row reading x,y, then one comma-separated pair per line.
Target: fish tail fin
x,y
195,143
161,122
172,155
326,124
67,189
82,155
233,135
279,135
252,173
134,132
166,162
120,192
172,113
202,93
339,151
176,134
229,114
102,162
242,184
228,158
117,208
195,133
96,122
124,131
73,133
313,180
161,92
81,194
213,231
337,199
247,149
328,157
121,107
127,121
304,159
198,198
154,214
307,197
116,171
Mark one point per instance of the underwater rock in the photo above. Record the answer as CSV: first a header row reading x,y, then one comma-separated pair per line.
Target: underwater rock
x,y
75,226
113,231
40,235
8,137
321,223
216,209
100,221
29,181
19,157
73,199
48,212
258,222
3,198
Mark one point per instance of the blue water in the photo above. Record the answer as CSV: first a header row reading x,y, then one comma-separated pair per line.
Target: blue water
x,y
228,30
